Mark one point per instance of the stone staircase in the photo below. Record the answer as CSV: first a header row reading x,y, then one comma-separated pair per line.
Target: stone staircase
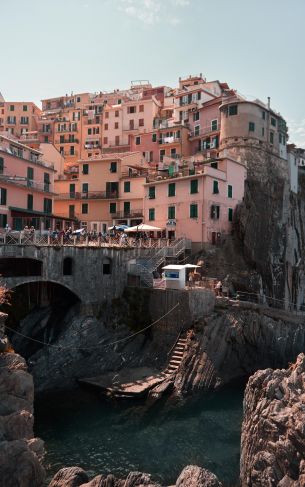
x,y
176,356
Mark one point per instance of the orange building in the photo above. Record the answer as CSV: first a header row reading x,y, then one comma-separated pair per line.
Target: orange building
x,y
17,118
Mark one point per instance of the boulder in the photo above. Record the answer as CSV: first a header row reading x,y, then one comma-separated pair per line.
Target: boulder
x,y
69,477
193,476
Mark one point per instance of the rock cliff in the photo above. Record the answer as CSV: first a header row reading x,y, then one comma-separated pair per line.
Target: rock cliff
x,y
273,439
20,452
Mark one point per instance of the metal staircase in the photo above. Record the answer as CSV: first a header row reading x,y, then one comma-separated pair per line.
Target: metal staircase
x,y
145,267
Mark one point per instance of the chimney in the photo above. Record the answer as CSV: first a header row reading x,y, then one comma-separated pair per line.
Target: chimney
x,y
268,102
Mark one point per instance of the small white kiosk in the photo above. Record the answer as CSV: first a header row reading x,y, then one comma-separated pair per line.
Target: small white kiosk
x,y
175,275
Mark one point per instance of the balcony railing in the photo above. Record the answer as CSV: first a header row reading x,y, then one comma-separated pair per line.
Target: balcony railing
x,y
67,153
75,129
65,141
205,131
169,140
90,195
128,214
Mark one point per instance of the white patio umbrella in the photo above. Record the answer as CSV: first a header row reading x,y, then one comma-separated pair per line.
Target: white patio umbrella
x,y
143,227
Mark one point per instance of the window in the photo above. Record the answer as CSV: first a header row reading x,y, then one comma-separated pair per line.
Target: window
x,y
214,165
47,205
85,187
72,150
251,127
106,126
215,212
30,176
12,108
172,189
1,165
126,207
197,130
105,140
233,110
230,191
263,132
230,214
131,109
162,154
67,266
126,186
24,120
84,208
119,101
264,115
71,211
3,220
61,139
46,181
151,214
194,186
89,131
138,140
107,267
273,122
193,210
30,202
173,152
154,138
3,194
214,124
106,114
196,116
141,108
141,122
112,207
271,137
116,125
171,212
113,167
78,99
116,113
215,187
152,192
117,140
85,168
25,108
131,124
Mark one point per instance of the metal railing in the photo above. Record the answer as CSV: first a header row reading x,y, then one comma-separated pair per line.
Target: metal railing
x,y
36,238
271,302
93,195
128,214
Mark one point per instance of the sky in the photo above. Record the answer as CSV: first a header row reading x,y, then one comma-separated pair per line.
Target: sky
x,y
53,47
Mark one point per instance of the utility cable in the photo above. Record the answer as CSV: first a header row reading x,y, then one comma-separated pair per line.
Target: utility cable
x,y
95,347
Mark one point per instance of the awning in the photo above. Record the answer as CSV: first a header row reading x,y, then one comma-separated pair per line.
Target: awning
x,y
143,227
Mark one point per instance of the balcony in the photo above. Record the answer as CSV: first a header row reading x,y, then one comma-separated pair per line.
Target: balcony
x,y
67,153
24,138
169,140
75,129
134,174
204,131
66,141
90,195
128,214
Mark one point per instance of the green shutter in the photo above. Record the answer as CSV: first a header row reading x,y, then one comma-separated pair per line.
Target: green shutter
x,y
84,208
30,202
215,187
151,214
171,212
1,165
3,196
230,191
85,168
112,207
171,189
194,186
126,207
126,186
152,192
193,211
230,214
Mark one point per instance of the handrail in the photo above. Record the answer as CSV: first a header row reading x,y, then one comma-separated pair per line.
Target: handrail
x,y
278,303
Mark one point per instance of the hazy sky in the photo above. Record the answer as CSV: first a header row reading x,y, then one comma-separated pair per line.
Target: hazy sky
x,y
52,47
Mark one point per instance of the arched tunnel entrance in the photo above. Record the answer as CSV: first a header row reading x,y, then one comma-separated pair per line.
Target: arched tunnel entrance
x,y
37,310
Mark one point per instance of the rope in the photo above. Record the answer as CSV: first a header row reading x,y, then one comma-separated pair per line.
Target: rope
x,y
60,347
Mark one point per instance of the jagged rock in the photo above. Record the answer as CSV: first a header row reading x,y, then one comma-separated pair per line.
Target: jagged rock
x,y
102,481
20,453
19,465
139,479
193,476
273,436
69,477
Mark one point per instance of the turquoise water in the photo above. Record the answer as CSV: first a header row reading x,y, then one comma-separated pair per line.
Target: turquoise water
x,y
104,437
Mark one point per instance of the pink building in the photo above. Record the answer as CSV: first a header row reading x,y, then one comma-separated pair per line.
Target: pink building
x,y
17,118
27,186
198,203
